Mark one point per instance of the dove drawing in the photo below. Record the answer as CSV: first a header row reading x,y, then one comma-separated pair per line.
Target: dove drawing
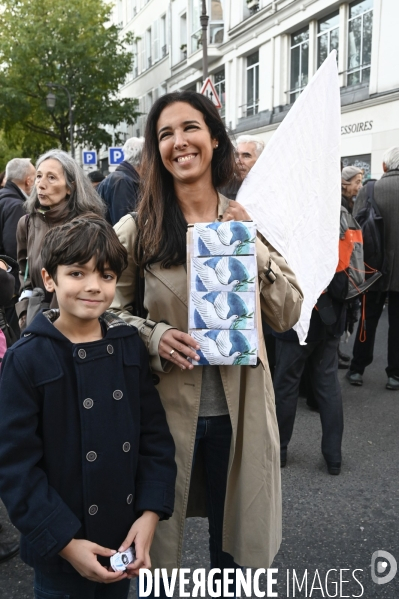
x,y
230,348
224,273
222,310
224,239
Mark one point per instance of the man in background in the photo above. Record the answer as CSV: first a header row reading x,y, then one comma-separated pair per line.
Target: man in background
x,y
248,150
95,178
386,196
20,175
121,188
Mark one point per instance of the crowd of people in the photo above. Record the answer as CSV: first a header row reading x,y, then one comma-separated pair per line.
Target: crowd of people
x,y
109,435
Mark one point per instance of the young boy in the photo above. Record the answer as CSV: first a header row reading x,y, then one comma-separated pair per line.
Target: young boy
x,y
86,457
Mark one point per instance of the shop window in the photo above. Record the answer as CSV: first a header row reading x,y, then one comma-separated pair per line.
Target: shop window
x,y
362,161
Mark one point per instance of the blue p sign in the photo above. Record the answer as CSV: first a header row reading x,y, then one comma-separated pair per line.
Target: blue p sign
x,y
115,156
89,157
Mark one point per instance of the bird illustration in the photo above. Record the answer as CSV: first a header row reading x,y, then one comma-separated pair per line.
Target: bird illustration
x,y
230,348
220,310
224,239
214,275
213,310
213,349
227,272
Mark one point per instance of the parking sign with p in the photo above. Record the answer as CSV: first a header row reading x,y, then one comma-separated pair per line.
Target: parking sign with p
x,y
89,157
115,156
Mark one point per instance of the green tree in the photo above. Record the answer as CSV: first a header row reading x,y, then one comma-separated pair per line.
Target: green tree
x,y
69,43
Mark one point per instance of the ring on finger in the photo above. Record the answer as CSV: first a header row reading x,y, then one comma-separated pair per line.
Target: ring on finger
x,y
172,351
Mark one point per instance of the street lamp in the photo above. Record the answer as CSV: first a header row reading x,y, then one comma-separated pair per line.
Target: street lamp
x,y
50,101
204,24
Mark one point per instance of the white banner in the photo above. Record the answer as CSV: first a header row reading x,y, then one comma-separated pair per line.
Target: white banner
x,y
293,192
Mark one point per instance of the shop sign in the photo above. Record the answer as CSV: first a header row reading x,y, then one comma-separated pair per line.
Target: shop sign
x,y
357,127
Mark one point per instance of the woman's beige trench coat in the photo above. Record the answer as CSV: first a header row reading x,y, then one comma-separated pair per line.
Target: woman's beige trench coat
x,y
252,518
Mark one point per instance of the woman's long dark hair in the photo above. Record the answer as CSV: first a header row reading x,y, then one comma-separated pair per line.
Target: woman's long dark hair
x,y
161,224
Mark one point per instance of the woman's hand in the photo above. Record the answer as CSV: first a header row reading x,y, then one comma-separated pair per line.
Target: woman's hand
x,y
176,346
141,534
82,555
235,212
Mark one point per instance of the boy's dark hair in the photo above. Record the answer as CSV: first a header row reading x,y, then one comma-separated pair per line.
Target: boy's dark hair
x,y
81,239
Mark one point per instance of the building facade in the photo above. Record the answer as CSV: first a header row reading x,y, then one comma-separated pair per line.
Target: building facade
x,y
262,53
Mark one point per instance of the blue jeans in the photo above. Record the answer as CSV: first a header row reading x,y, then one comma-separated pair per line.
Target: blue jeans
x,y
64,585
214,437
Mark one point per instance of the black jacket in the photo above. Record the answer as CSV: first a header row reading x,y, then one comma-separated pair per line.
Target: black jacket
x,y
85,446
120,191
12,201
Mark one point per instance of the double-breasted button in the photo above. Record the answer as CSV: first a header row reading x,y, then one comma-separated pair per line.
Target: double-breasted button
x,y
88,403
126,447
155,379
91,456
93,509
129,499
82,354
110,349
117,394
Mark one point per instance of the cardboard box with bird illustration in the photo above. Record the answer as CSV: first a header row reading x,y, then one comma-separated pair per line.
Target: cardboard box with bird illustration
x,y
223,293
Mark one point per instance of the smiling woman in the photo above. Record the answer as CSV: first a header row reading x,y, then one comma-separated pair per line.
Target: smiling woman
x,y
220,417
61,192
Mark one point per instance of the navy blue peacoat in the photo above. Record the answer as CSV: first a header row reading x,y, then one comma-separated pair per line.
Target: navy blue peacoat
x,y
84,442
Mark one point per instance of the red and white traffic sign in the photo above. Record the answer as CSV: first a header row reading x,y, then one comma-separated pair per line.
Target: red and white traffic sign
x,y
208,90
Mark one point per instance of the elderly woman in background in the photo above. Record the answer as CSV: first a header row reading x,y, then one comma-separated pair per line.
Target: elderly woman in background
x,y
351,183
61,192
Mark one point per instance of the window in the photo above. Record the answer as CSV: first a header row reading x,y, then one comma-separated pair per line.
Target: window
x,y
327,37
252,83
214,9
299,62
196,31
183,37
132,9
220,87
148,48
359,41
155,42
120,13
164,45
250,8
216,25
148,102
135,59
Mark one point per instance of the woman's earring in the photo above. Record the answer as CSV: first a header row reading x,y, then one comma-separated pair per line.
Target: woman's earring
x,y
216,146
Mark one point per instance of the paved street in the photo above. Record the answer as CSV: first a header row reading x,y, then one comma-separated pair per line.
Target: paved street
x,y
329,522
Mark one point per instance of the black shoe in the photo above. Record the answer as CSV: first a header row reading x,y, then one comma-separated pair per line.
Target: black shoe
x,y
355,378
334,468
283,459
343,357
393,383
8,550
